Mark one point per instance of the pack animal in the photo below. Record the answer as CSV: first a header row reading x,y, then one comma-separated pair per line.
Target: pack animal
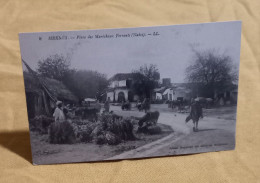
x,y
150,118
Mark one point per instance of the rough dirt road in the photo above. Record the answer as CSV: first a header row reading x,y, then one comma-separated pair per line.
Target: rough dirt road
x,y
214,135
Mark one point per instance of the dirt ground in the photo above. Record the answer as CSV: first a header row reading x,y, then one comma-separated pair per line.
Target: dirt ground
x,y
45,153
216,132
224,112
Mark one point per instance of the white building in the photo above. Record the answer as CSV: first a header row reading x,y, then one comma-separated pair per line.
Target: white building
x,y
168,94
174,92
120,88
158,93
181,93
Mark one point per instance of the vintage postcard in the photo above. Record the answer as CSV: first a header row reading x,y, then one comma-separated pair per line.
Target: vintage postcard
x,y
111,94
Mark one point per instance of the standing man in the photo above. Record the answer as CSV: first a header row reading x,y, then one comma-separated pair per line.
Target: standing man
x,y
107,105
195,114
58,113
146,105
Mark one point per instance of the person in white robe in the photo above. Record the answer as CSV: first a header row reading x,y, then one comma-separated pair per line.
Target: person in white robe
x,y
58,113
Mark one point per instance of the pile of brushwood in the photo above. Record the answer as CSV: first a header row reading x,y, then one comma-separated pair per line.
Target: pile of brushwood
x,y
109,129
61,133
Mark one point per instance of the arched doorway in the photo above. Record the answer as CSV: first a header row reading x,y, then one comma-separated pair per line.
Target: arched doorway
x,y
121,97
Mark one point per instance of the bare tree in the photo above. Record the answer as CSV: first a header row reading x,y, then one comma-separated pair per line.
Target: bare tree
x,y
211,71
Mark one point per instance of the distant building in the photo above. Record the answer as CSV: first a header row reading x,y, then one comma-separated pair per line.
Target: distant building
x,y
120,88
229,95
158,93
177,91
181,92
166,82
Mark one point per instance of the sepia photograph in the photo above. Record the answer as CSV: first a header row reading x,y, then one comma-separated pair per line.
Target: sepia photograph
x,y
112,94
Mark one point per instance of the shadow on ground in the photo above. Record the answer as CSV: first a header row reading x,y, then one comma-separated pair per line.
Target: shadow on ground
x,y
17,142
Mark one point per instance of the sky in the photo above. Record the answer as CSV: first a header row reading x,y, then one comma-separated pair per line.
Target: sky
x,y
171,50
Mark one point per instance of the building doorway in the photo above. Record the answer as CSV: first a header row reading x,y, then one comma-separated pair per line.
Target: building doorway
x,y
121,97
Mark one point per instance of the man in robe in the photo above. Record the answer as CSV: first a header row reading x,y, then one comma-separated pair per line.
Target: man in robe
x,y
58,113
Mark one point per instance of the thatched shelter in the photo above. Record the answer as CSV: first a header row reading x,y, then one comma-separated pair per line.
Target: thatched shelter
x,y
41,98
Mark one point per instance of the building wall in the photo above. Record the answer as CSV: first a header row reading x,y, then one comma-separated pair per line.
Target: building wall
x,y
158,96
173,94
110,95
168,94
179,93
115,84
114,94
122,83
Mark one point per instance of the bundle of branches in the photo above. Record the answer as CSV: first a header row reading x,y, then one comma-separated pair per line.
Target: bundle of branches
x,y
82,129
84,132
118,125
123,128
109,128
41,123
61,133
80,122
112,129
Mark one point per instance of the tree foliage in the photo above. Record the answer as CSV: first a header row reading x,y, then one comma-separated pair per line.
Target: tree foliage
x,y
211,71
54,66
86,83
83,83
145,80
